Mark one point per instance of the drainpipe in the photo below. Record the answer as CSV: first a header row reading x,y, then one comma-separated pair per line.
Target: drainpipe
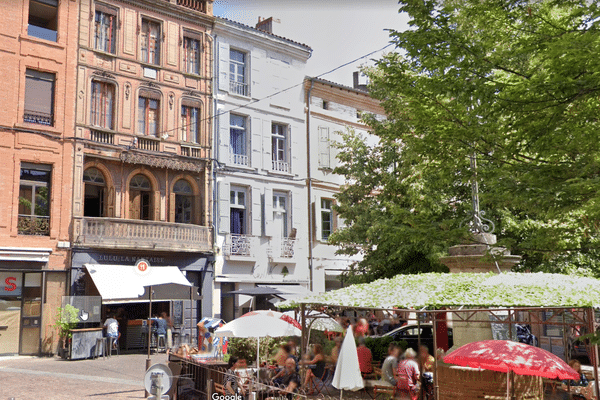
x,y
309,186
215,164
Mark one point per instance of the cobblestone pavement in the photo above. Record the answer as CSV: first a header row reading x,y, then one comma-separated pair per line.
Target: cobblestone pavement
x,y
33,378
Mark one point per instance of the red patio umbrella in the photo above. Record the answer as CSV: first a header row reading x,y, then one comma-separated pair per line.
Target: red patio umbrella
x,y
506,356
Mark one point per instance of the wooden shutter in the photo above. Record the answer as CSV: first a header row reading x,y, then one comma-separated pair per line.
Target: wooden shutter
x,y
223,66
266,145
129,32
84,22
172,207
269,227
256,143
258,78
135,198
296,150
224,137
223,203
299,210
155,209
313,216
173,44
324,148
256,212
39,92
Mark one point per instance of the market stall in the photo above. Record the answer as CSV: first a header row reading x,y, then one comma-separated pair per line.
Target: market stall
x,y
474,300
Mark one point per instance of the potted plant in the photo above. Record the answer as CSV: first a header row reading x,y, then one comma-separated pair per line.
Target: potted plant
x,y
67,319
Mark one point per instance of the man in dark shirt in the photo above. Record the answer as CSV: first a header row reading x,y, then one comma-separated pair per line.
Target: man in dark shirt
x,y
288,379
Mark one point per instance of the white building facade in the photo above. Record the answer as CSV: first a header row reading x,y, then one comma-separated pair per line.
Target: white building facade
x,y
331,109
261,201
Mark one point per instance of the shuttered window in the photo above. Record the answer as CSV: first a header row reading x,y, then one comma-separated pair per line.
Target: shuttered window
x,y
190,123
150,41
102,107
148,109
39,98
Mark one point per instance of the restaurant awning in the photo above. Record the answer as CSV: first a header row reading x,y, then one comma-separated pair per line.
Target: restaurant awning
x,y
288,292
124,283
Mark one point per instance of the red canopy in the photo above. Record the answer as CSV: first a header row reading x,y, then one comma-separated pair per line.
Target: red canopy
x,y
505,356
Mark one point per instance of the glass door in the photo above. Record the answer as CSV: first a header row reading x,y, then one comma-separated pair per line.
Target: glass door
x,y
31,316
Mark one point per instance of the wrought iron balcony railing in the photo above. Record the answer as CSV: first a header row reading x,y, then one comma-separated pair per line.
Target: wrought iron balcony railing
x,y
34,117
238,245
33,225
240,88
287,247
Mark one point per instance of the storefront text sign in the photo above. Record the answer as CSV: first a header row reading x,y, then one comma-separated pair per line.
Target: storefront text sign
x,y
10,283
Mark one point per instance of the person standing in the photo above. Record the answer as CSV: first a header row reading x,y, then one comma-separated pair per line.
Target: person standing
x,y
166,317
408,376
389,369
112,329
365,357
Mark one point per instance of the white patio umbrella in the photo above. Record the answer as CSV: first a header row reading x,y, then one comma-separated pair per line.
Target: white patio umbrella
x,y
257,324
347,371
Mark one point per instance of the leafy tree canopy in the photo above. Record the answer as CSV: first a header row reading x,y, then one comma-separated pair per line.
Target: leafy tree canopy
x,y
515,83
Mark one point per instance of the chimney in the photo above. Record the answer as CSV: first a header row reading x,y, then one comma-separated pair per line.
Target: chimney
x,y
361,81
265,24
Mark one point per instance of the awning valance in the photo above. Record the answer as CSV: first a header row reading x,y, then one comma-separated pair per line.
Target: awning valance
x,y
124,282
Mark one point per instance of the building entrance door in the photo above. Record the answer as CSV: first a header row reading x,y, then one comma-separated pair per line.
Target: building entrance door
x,y
31,315
10,326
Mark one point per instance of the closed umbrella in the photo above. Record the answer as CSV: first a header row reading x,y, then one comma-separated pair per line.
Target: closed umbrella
x,y
511,357
347,371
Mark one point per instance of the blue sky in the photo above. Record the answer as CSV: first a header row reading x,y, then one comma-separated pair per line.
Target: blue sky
x,y
337,30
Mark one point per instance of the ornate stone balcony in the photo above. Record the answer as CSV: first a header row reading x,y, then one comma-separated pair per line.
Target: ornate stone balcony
x,y
118,233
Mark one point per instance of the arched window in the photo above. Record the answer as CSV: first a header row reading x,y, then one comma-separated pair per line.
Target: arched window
x,y
140,198
184,200
94,193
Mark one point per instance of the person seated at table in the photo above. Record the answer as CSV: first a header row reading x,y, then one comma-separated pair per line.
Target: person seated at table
x,y
365,357
408,376
230,380
316,366
362,328
581,382
287,379
335,352
389,369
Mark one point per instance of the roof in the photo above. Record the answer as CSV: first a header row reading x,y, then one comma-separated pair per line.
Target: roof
x,y
307,47
435,290
339,85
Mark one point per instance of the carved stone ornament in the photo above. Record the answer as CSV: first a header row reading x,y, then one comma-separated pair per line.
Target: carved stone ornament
x,y
104,74
127,91
161,162
171,100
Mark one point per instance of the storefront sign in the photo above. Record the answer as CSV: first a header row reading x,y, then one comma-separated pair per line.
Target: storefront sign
x,y
10,283
142,267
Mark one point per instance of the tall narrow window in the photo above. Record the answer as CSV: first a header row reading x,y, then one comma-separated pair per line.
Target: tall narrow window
x,y
39,98
94,192
148,116
237,139
280,214
34,199
190,124
326,219
237,208
191,55
237,73
102,108
140,198
104,35
183,201
43,19
150,41
279,148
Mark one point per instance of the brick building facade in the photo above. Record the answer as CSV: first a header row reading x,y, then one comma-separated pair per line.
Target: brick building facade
x,y
37,65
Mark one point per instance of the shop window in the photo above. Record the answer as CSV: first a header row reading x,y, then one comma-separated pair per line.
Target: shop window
x,y
34,199
140,198
105,26
150,42
184,200
191,55
39,98
102,108
43,19
94,193
190,123
148,111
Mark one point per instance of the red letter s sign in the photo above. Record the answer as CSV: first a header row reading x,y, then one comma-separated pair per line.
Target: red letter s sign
x,y
10,284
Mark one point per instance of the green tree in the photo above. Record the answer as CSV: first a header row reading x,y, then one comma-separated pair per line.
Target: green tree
x,y
515,83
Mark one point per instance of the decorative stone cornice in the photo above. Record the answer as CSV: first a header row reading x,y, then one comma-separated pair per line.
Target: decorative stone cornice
x,y
162,162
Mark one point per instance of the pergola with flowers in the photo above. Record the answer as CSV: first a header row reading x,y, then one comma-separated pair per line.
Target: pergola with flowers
x,y
508,297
